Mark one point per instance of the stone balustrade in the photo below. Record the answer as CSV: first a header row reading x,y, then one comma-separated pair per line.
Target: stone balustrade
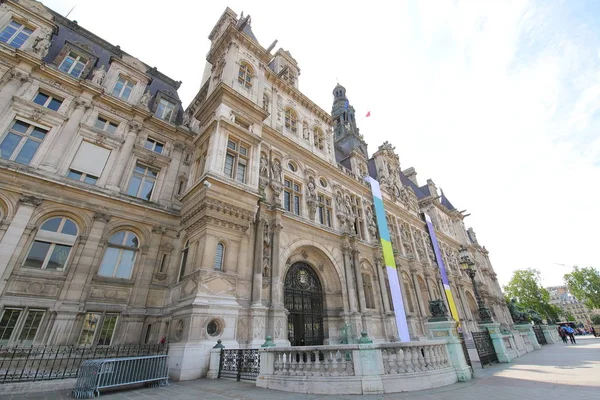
x,y
357,368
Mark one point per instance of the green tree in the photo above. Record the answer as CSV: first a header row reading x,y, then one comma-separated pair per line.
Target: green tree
x,y
569,317
584,284
595,319
525,287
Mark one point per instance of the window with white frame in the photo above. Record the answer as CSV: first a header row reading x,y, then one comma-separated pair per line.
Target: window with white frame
x,y
52,245
21,142
236,160
154,145
123,88
319,138
106,125
291,118
15,34
88,163
19,325
48,101
184,258
73,64
98,329
292,196
245,75
165,110
324,210
120,255
142,182
219,257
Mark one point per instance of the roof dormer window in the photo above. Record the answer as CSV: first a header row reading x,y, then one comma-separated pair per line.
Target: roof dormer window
x,y
73,64
123,88
165,110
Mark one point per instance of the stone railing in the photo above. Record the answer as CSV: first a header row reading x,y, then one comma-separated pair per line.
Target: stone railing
x,y
357,368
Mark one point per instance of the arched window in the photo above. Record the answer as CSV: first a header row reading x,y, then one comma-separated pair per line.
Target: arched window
x,y
245,75
408,292
52,245
318,138
368,289
119,256
184,257
290,119
219,257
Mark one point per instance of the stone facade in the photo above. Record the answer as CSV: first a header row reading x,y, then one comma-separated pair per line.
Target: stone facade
x,y
125,219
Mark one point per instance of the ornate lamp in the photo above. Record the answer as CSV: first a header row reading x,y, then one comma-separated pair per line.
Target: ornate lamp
x,y
466,264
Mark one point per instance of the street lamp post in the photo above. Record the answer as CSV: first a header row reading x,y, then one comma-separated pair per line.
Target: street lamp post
x,y
466,264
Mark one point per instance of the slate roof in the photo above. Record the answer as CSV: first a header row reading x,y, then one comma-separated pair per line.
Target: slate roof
x,y
445,202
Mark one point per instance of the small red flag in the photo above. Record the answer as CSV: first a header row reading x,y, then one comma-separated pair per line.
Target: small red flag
x,y
369,114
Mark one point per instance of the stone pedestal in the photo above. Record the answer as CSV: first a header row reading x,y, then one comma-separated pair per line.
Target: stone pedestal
x,y
446,330
369,364
528,329
551,334
504,352
213,364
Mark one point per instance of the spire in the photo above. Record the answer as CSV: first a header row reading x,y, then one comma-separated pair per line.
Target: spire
x,y
347,135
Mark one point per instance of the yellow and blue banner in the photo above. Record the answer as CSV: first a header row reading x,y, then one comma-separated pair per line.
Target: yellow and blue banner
x,y
390,262
442,267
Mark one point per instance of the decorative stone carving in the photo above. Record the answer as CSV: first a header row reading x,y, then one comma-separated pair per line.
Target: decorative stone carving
x,y
264,170
81,103
420,247
42,44
100,216
276,171
134,126
99,75
305,133
371,224
30,200
145,99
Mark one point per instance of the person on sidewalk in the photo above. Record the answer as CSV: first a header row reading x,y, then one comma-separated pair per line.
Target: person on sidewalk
x,y
562,334
570,331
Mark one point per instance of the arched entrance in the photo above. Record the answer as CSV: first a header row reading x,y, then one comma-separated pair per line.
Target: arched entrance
x,y
303,298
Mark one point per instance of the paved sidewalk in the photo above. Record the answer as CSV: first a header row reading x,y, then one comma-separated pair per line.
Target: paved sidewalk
x,y
557,371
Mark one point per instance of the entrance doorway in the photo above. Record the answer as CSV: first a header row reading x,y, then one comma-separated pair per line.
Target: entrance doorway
x,y
303,298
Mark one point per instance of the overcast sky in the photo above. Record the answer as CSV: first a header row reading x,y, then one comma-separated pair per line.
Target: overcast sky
x,y
496,101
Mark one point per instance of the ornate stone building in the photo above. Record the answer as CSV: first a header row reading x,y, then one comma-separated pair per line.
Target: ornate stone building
x,y
124,219
561,297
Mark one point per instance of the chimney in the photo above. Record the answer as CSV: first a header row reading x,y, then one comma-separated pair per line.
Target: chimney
x,y
432,188
411,174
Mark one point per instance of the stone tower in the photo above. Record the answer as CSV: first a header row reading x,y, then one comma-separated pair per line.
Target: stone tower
x,y
347,135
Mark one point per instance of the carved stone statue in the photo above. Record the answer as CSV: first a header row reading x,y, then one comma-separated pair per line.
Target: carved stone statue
x,y
42,45
276,171
145,100
99,75
312,193
264,166
371,224
305,133
518,315
187,119
535,317
438,309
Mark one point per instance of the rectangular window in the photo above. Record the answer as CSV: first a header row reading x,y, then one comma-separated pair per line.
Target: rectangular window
x,y
123,88
165,110
48,101
73,64
88,163
108,329
21,142
236,160
105,125
324,210
23,335
15,34
142,182
154,145
292,195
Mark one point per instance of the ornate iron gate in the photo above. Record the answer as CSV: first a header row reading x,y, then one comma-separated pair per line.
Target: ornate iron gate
x,y
539,334
239,364
465,350
485,347
303,298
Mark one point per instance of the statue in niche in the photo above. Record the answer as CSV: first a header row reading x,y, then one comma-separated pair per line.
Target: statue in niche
x,y
348,205
305,133
372,225
312,193
187,118
265,102
42,45
276,171
264,166
99,75
145,99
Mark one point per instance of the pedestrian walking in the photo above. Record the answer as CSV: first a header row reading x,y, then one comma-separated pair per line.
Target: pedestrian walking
x,y
593,331
562,334
570,331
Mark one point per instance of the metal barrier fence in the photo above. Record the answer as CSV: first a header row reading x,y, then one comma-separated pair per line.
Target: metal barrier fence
x,y
39,363
101,374
539,334
239,364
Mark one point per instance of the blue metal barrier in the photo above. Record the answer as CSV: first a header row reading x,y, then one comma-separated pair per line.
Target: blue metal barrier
x,y
100,374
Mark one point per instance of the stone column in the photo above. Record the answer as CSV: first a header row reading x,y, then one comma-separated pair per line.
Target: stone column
x,y
258,258
277,280
359,281
64,137
133,128
382,288
13,234
349,280
166,194
13,80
